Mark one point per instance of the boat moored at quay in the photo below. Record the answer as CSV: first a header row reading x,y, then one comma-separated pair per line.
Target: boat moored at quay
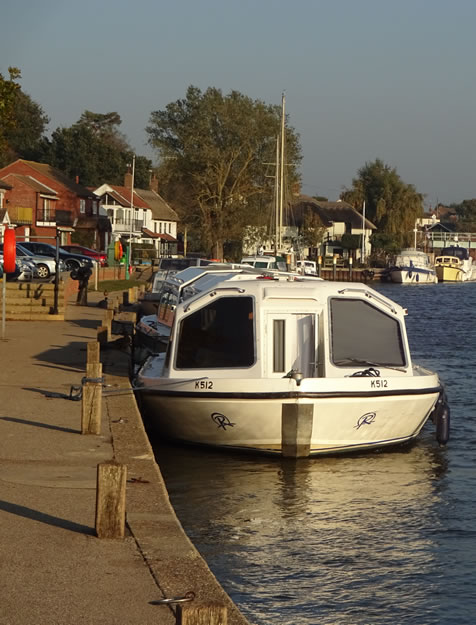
x,y
411,266
284,364
454,264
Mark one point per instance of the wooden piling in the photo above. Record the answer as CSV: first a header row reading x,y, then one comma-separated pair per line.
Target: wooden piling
x,y
93,351
91,402
201,614
111,500
296,430
102,335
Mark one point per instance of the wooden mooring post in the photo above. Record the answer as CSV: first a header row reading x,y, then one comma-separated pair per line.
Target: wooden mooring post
x,y
91,403
111,500
296,430
201,614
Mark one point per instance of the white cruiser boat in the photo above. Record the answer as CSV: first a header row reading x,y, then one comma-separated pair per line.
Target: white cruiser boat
x,y
273,364
412,267
454,264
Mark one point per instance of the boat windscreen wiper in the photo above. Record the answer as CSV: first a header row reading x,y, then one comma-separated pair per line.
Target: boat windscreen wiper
x,y
365,363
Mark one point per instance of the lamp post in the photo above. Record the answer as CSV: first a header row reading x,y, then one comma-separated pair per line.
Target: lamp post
x,y
129,249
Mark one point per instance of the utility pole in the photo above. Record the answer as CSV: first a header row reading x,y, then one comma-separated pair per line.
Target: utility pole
x,y
129,252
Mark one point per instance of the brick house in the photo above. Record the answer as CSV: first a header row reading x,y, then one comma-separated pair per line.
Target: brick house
x,y
41,200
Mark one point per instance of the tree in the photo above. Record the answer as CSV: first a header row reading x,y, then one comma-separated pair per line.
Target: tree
x,y
214,149
312,230
95,156
8,94
466,212
24,137
105,126
390,204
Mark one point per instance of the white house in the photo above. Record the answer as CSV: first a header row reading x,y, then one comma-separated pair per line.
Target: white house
x,y
139,213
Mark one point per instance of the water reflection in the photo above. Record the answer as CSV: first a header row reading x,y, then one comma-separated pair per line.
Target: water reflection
x,y
340,539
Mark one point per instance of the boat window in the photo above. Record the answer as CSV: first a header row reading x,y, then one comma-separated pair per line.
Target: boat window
x,y
279,345
364,335
218,335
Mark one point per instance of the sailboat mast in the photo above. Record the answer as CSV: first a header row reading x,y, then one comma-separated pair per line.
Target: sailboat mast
x,y
276,200
281,172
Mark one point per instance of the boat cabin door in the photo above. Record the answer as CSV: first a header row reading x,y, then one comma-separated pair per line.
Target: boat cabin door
x,y
291,344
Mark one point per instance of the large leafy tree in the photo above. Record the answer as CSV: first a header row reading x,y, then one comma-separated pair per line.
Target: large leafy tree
x,y
214,149
466,212
9,88
25,137
391,204
94,150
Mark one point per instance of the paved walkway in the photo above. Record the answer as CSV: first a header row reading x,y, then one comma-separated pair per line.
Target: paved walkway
x,y
53,568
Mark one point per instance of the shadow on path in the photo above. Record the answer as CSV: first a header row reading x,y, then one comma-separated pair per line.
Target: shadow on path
x,y
35,515
47,426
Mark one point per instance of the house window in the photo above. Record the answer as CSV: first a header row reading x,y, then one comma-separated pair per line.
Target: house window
x,y
110,214
82,206
47,212
95,207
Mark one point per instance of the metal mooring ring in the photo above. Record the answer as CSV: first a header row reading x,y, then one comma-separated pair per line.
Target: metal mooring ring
x,y
189,596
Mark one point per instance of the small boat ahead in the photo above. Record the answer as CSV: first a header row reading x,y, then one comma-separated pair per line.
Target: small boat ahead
x,y
271,364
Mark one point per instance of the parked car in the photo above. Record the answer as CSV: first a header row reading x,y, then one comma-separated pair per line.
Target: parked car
x,y
99,257
24,270
43,266
71,261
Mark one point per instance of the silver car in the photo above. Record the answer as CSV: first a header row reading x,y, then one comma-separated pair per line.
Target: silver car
x,y
45,265
24,270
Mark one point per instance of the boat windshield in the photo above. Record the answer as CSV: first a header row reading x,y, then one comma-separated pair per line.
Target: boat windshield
x,y
361,333
220,335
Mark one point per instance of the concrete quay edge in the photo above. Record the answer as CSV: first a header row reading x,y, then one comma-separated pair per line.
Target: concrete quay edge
x,y
54,569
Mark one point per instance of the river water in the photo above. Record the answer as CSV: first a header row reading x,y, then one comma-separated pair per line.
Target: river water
x,y
374,539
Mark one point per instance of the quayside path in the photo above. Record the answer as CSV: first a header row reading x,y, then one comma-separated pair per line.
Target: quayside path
x,y
53,567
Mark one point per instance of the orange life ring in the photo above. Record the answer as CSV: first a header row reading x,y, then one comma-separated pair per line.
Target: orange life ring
x,y
9,251
118,250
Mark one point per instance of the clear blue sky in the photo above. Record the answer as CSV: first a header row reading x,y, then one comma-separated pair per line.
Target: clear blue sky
x,y
363,78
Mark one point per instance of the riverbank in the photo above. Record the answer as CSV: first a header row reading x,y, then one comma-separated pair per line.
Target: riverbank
x,y
54,569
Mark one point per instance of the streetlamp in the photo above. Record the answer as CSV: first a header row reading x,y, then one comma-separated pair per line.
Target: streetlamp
x,y
129,249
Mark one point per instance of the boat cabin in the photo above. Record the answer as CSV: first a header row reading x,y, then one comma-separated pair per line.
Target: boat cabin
x,y
272,328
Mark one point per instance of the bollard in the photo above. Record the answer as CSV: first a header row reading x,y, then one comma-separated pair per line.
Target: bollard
x,y
296,430
111,500
334,266
91,401
319,266
350,268
202,614
93,351
102,335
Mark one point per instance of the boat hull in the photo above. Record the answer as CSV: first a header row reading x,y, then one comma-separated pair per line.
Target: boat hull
x,y
449,274
413,276
342,421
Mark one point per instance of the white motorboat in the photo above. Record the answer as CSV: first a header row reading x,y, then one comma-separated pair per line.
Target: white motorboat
x,y
289,365
454,264
411,267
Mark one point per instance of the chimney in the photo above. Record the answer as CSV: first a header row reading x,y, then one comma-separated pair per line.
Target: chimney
x,y
153,183
77,179
128,180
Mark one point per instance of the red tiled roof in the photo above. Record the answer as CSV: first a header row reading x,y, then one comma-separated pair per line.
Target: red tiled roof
x,y
158,235
126,194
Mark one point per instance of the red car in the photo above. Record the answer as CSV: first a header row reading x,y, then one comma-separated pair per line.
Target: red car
x,y
100,257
